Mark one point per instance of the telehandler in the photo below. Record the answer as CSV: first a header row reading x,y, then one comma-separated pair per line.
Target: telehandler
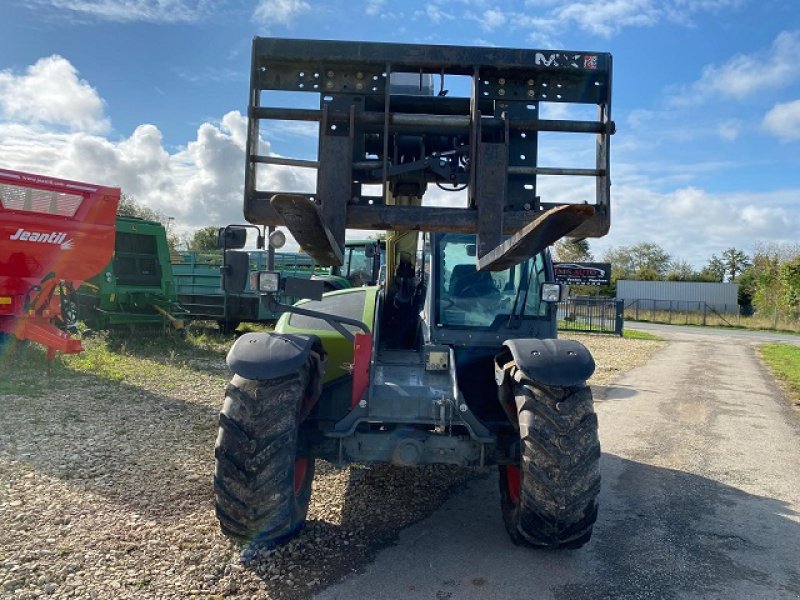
x,y
452,358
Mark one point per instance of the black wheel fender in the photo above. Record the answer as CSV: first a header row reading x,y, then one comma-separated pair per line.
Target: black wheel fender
x,y
265,355
551,362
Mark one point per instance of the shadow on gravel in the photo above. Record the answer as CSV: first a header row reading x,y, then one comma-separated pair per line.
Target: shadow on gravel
x,y
603,393
148,451
378,503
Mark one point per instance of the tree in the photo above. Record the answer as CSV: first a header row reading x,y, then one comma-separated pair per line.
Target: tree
x,y
735,262
714,270
204,239
567,250
767,297
130,207
643,259
681,270
790,278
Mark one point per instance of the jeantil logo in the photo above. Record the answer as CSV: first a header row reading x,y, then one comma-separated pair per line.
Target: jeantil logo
x,y
57,238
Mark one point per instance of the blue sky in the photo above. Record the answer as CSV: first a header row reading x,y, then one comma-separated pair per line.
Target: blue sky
x,y
149,95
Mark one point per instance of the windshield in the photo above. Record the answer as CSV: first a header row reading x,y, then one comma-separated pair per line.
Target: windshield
x,y
471,298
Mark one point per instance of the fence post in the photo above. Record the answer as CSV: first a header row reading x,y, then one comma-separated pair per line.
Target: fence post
x,y
619,322
705,311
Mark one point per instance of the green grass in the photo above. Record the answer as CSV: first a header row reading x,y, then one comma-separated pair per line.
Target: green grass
x,y
635,334
25,371
120,357
784,362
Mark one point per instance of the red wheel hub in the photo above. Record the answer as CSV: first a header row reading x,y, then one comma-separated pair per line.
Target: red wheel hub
x,y
300,470
513,480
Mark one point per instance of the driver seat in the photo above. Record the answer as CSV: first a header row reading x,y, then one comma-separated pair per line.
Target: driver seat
x,y
467,277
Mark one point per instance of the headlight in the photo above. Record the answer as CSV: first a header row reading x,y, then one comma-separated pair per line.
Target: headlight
x,y
277,239
551,292
265,281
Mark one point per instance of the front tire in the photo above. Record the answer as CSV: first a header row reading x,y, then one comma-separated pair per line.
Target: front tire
x,y
263,474
549,500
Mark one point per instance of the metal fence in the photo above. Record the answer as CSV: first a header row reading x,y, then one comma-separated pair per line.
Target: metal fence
x,y
680,312
595,315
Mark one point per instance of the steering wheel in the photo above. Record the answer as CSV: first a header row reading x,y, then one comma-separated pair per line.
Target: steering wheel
x,y
477,290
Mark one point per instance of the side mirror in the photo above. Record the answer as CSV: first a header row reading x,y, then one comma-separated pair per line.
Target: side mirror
x,y
371,250
235,270
232,237
554,292
470,249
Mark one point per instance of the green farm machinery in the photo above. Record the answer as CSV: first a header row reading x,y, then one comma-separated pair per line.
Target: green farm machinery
x,y
452,357
199,284
136,288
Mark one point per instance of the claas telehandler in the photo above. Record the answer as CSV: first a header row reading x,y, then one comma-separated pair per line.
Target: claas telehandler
x,y
453,357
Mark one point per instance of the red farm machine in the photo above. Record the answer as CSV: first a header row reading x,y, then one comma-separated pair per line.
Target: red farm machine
x,y
54,234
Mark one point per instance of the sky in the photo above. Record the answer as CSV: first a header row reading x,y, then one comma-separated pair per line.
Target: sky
x,y
149,96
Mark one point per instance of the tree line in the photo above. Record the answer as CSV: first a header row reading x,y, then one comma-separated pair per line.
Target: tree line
x,y
769,278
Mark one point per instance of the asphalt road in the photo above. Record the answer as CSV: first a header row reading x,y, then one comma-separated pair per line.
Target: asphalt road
x,y
700,499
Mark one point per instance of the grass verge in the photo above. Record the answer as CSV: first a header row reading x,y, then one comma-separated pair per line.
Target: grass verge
x,y
635,334
784,362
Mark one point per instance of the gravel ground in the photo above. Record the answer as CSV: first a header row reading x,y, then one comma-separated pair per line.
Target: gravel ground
x,y
105,491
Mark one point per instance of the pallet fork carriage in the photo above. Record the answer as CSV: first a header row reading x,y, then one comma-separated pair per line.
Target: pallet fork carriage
x,y
54,235
488,142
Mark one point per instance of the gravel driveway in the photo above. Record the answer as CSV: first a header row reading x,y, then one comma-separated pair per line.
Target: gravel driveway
x,y
105,482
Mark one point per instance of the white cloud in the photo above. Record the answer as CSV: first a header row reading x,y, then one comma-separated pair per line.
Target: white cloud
x,y
747,74
374,7
281,12
730,130
783,120
125,11
606,18
199,185
52,123
492,19
50,92
693,223
435,14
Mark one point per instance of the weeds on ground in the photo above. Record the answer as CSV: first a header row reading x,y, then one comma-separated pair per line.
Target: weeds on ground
x,y
118,356
635,334
25,370
784,362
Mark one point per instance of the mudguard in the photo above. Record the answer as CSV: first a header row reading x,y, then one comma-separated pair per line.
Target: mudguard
x,y
551,362
269,355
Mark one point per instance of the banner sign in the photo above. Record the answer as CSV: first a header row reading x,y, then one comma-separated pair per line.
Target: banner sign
x,y
583,273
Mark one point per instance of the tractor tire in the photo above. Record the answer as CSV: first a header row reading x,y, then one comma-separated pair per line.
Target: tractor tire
x,y
263,473
550,499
